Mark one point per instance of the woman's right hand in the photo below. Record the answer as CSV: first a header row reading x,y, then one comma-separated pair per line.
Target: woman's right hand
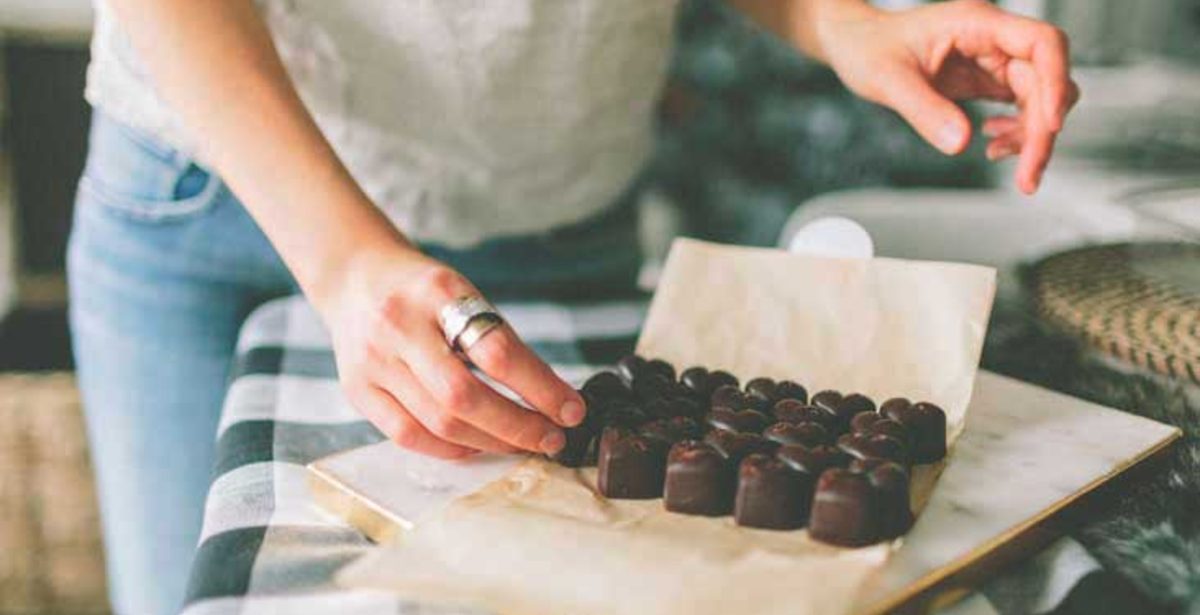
x,y
398,371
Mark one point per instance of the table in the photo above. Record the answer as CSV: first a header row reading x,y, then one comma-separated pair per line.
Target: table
x,y
266,548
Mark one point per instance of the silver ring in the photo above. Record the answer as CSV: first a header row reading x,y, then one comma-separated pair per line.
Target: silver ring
x,y
456,319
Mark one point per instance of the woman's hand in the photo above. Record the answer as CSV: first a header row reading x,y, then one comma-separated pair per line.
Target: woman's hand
x,y
398,371
918,61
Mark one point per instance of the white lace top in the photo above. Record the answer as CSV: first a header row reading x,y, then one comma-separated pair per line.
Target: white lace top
x,y
462,119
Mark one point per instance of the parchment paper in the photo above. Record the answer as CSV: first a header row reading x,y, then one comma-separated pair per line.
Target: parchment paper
x,y
541,541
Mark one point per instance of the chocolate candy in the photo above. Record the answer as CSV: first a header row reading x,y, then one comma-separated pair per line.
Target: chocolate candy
x,y
736,446
926,424
605,386
672,430
720,378
813,459
700,480
793,411
648,386
629,366
893,404
843,509
695,380
632,466
621,413
871,423
761,388
893,514
805,433
575,453
727,396
827,399
786,389
748,421
849,406
880,446
771,494
659,367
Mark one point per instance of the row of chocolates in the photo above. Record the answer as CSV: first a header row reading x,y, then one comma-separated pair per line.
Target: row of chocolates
x,y
766,452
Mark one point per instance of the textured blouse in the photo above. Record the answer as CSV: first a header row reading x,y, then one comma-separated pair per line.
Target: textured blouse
x,y
461,119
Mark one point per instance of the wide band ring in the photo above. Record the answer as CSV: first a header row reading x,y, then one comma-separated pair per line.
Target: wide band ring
x,y
466,320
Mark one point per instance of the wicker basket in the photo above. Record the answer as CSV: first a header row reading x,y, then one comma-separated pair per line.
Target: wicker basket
x,y
51,557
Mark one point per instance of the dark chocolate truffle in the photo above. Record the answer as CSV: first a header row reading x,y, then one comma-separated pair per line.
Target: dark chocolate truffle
x,y
672,430
792,411
871,423
648,386
813,459
632,466
695,380
849,406
880,446
843,510
771,494
926,424
700,480
727,396
807,433
575,453
735,446
659,367
605,386
762,388
720,378
629,366
786,389
827,399
748,421
893,514
894,404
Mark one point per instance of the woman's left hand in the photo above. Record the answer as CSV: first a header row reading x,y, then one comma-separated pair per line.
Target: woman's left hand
x,y
920,60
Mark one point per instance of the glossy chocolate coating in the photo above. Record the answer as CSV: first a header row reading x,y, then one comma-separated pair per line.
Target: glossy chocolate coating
x,y
813,459
720,378
850,406
629,366
672,430
747,421
926,424
771,494
807,433
880,446
894,404
576,452
632,466
786,389
648,386
695,380
843,509
792,411
872,423
762,388
726,396
827,399
893,513
622,413
736,446
699,481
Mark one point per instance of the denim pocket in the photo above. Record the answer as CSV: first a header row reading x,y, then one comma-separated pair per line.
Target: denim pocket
x,y
134,175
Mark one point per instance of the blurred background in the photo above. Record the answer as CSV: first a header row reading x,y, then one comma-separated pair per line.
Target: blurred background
x,y
755,141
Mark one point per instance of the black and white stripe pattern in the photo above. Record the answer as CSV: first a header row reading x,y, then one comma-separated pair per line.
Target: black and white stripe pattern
x,y
267,548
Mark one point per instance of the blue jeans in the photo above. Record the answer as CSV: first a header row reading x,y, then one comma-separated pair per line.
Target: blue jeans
x,y
164,264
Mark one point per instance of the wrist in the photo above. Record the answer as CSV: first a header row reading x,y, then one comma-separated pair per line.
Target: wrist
x,y
351,262
825,23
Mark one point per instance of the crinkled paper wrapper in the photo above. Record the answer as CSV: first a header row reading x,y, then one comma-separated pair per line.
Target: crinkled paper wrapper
x,y
541,541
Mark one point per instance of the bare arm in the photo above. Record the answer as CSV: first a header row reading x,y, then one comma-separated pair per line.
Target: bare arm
x,y
921,60
215,63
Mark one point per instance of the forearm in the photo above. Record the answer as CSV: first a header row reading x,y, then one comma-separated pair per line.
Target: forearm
x,y
214,62
801,22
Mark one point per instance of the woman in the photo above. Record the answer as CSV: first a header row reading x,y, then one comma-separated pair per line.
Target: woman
x,y
399,156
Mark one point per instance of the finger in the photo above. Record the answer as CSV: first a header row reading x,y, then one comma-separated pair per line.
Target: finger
x,y
938,120
1001,148
394,421
1038,137
505,358
398,380
1046,48
1000,124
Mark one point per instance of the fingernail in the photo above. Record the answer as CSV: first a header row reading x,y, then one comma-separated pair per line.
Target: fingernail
x,y
552,442
949,138
572,413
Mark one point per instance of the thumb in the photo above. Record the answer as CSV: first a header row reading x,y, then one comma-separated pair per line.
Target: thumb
x,y
937,119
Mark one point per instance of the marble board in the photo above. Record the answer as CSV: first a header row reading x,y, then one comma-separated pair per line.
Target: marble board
x,y
1026,454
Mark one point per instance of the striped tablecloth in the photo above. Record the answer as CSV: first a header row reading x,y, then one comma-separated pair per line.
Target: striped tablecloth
x,y
267,548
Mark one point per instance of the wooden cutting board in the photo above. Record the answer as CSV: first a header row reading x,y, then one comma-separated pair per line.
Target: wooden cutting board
x,y
1027,453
